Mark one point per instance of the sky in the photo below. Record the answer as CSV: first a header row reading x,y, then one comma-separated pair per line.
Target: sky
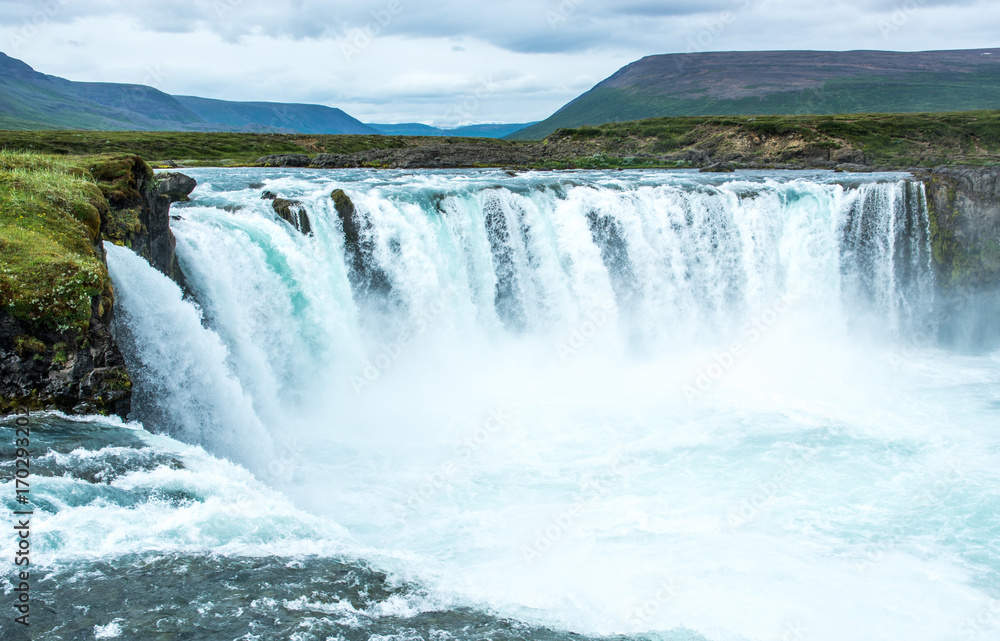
x,y
445,62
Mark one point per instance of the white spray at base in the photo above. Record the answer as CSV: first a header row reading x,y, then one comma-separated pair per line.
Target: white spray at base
x,y
611,403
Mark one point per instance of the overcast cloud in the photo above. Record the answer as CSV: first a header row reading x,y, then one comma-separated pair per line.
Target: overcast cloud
x,y
448,61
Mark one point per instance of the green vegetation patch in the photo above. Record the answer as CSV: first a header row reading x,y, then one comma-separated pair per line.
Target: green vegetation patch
x,y
50,269
889,140
191,148
27,346
120,178
118,380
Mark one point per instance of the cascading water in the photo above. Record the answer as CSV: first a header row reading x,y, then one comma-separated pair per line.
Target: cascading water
x,y
662,404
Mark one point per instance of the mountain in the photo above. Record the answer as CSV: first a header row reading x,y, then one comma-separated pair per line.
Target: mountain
x,y
287,117
785,83
29,99
469,131
32,100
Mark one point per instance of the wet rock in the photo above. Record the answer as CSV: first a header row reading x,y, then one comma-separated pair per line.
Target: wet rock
x,y
293,212
139,213
348,218
176,187
359,247
71,371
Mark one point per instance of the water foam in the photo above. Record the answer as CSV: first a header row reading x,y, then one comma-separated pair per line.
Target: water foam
x,y
613,403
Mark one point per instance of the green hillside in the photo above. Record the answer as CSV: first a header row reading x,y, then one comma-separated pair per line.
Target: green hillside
x,y
785,83
32,100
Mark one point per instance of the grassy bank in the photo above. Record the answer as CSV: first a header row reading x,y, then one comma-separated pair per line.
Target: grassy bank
x,y
885,140
192,148
50,221
890,140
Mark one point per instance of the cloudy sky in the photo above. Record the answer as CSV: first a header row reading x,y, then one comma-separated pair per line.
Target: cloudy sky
x,y
445,61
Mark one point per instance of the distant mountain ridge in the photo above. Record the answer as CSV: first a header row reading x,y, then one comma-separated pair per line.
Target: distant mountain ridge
x,y
468,131
33,100
785,83
283,117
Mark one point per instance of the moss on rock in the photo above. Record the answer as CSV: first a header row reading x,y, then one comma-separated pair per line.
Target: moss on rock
x,y
28,346
121,178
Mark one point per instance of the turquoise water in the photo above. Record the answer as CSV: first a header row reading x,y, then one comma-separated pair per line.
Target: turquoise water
x,y
639,404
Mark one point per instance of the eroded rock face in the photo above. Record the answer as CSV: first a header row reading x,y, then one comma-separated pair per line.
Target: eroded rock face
x,y
964,203
77,373
284,160
176,187
964,209
139,217
292,212
80,370
365,274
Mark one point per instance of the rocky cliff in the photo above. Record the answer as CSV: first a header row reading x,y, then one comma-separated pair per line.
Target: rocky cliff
x,y
964,208
964,211
56,347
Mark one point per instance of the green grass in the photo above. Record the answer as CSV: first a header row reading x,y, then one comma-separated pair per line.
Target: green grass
x,y
894,140
50,217
191,148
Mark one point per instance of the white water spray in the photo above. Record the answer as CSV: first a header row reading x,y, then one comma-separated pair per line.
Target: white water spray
x,y
509,422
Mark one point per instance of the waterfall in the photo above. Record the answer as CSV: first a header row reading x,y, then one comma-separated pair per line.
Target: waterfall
x,y
547,396
649,264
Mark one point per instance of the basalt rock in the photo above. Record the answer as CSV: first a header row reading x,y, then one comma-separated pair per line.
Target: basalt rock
x,y
293,212
176,187
719,168
70,371
284,160
139,215
964,210
347,214
359,246
964,204
80,369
